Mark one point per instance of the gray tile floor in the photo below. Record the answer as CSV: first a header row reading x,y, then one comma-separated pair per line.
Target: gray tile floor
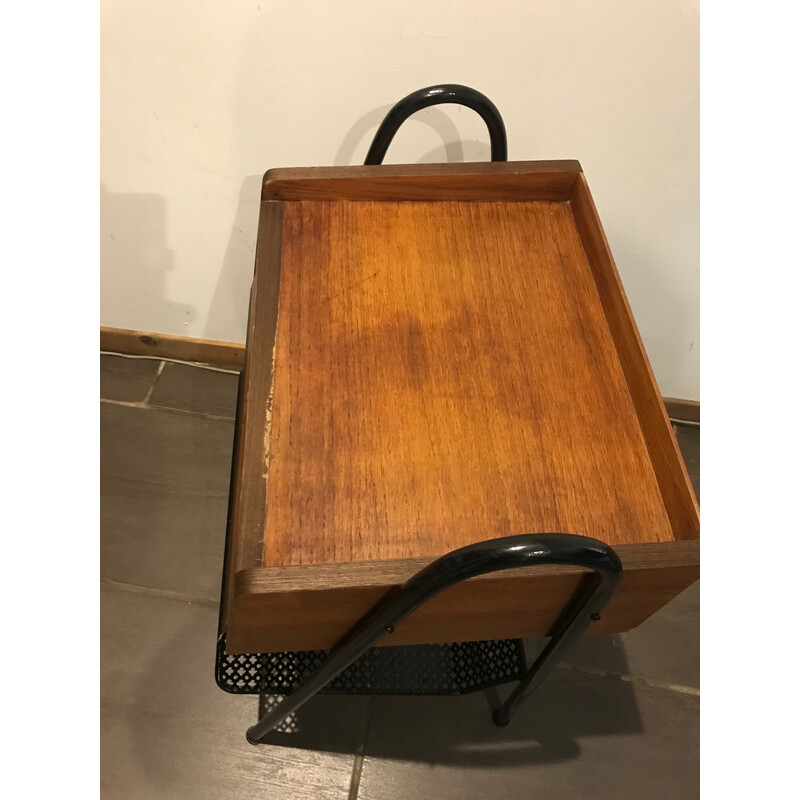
x,y
619,719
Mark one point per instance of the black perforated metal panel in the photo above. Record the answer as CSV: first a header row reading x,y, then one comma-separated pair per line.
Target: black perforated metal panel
x,y
436,669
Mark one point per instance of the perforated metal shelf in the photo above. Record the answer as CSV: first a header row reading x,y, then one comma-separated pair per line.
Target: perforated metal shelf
x,y
425,669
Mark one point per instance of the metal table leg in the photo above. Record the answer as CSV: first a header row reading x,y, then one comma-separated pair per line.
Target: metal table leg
x,y
468,562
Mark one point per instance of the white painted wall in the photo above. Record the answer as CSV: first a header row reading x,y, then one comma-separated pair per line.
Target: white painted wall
x,y
199,98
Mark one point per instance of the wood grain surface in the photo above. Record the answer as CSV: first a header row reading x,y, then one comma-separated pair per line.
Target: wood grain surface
x,y
249,507
444,374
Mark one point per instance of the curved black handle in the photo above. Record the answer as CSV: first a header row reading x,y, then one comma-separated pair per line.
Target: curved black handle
x,y
434,95
522,550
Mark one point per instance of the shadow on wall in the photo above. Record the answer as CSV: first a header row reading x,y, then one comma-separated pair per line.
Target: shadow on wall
x,y
230,301
658,307
452,149
134,262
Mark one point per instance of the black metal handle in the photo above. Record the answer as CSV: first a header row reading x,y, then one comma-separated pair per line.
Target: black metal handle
x,y
524,550
434,95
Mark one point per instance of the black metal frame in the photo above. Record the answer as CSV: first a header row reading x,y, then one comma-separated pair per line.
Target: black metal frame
x,y
468,562
435,95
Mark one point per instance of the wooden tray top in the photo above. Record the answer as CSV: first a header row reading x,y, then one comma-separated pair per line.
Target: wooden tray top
x,y
438,356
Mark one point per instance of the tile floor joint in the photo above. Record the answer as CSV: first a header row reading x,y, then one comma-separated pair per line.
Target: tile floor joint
x,y
164,594
199,365
635,679
149,394
358,760
150,407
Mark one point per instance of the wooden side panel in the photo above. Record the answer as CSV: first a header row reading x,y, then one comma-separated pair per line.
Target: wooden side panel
x,y
329,599
532,180
676,488
246,541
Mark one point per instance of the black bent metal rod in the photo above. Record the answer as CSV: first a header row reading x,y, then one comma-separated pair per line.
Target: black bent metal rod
x,y
434,95
477,559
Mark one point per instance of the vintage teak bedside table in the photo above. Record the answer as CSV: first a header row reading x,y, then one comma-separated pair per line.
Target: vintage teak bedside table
x,y
448,432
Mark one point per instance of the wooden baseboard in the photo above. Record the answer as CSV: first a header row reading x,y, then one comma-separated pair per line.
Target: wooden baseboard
x,y
231,355
683,410
181,348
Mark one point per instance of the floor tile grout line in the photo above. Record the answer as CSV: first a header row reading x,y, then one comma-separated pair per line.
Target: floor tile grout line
x,y
358,759
130,404
635,679
126,403
149,394
199,365
355,776
164,594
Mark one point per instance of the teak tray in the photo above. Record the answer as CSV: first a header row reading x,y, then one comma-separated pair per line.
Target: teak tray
x,y
439,355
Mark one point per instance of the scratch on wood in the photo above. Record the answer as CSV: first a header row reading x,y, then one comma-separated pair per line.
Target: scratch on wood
x,y
353,286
